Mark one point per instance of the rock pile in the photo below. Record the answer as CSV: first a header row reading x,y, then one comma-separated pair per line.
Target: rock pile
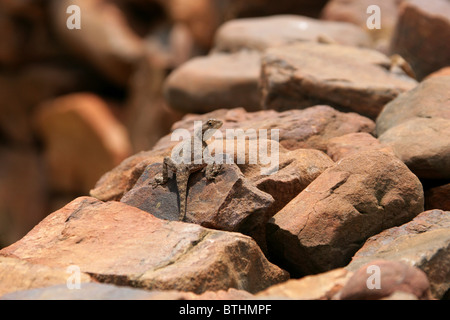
x,y
353,204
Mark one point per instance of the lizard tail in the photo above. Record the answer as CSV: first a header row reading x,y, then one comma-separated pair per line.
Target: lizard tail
x,y
182,183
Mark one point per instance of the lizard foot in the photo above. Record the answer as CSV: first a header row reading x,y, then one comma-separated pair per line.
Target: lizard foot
x,y
211,171
158,180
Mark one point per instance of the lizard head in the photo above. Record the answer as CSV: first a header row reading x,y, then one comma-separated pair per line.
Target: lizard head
x,y
211,125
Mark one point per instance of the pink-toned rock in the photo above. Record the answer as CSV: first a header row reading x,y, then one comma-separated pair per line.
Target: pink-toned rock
x,y
393,277
421,35
423,144
430,99
323,286
82,140
264,32
119,244
355,11
216,81
423,242
302,75
349,144
327,223
17,275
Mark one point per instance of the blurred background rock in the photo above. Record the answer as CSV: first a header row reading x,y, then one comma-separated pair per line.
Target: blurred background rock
x,y
75,103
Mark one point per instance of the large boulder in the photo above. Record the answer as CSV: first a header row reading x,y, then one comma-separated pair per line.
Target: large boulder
x,y
306,74
360,196
119,244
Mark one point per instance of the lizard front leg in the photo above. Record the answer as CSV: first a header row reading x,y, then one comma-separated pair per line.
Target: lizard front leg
x,y
212,170
163,177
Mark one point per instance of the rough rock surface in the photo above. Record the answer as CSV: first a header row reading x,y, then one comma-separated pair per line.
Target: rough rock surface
x,y
394,277
119,244
302,75
327,223
430,99
228,203
352,143
265,32
423,242
419,22
423,144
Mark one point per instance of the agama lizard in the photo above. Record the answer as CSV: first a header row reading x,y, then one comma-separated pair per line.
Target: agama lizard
x,y
184,170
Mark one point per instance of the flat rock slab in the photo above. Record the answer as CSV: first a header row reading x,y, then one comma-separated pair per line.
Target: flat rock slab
x,y
216,81
430,99
265,32
423,144
119,244
229,203
423,22
360,196
423,242
302,75
310,128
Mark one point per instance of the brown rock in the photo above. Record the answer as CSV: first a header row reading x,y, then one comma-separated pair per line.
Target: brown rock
x,y
17,275
326,223
323,286
302,75
393,277
115,183
203,17
430,99
264,32
229,203
119,244
349,144
438,198
23,198
82,140
216,81
423,22
105,39
424,243
423,144
310,128
355,11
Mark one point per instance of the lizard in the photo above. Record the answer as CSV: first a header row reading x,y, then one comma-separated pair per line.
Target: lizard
x,y
183,170
397,61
